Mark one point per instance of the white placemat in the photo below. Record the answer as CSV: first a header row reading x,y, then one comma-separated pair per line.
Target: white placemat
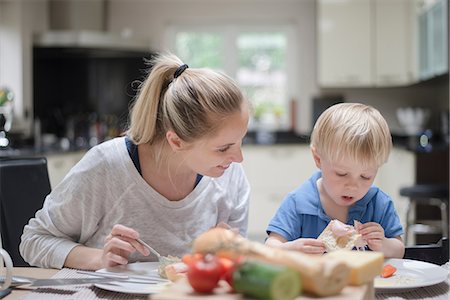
x,y
85,292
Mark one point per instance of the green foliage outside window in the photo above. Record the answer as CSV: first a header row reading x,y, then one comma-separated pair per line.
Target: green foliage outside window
x,y
200,50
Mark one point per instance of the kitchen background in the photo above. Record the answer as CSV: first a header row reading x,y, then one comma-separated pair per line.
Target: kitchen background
x,y
74,66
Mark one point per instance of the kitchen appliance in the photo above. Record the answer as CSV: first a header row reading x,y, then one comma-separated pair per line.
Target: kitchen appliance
x,y
413,120
85,92
322,102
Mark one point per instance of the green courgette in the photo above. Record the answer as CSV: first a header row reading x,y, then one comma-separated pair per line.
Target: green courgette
x,y
261,280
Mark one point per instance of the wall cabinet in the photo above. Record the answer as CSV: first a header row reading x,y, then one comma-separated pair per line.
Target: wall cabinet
x,y
433,38
365,43
60,164
275,170
344,43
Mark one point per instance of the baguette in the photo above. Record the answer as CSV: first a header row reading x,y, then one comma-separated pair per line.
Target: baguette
x,y
320,276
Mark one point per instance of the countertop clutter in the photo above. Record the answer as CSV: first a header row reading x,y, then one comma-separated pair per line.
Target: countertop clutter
x,y
50,144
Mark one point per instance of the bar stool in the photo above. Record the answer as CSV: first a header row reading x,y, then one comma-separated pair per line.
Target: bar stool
x,y
426,194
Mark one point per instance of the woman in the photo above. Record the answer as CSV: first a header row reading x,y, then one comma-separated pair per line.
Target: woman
x,y
173,176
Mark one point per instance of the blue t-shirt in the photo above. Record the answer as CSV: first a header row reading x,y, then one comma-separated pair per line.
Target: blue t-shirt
x,y
301,214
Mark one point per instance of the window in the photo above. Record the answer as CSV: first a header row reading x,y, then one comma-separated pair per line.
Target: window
x,y
257,58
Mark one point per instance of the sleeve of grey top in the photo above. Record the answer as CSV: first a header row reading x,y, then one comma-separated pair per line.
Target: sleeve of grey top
x,y
69,216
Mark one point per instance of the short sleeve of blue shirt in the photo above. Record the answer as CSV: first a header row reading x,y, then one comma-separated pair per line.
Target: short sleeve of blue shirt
x,y
301,214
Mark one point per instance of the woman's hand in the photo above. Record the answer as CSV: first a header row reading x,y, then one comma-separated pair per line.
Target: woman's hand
x,y
119,244
373,234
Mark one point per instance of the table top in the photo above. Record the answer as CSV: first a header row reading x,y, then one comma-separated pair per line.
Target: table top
x,y
435,292
30,272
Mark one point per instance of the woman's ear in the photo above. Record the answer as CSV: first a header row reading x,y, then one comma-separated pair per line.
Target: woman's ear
x,y
174,140
316,157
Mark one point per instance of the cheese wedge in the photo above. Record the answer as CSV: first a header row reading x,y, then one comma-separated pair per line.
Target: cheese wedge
x,y
364,265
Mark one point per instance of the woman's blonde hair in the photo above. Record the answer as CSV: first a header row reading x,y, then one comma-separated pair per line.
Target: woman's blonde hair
x,y
193,104
352,130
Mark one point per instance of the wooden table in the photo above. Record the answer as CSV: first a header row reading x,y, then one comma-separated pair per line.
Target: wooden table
x,y
435,292
30,272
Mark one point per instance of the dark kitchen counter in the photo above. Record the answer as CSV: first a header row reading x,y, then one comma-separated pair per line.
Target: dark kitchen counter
x,y
252,138
399,141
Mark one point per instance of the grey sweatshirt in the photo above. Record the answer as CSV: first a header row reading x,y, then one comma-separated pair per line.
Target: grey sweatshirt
x,y
105,189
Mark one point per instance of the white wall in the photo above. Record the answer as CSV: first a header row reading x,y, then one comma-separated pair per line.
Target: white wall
x,y
150,18
18,21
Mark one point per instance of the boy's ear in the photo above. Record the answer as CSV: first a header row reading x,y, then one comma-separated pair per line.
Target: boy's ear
x,y
174,140
316,157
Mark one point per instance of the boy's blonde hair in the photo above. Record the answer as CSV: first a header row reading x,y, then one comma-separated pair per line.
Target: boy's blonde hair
x,y
192,104
352,130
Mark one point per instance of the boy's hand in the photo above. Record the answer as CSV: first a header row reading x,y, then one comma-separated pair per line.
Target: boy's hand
x,y
373,234
309,246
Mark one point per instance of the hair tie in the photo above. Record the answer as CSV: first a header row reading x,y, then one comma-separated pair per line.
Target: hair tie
x,y
180,70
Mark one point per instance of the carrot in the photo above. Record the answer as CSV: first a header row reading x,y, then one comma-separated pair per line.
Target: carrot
x,y
388,271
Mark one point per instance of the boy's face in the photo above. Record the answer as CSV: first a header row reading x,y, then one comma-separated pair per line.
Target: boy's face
x,y
345,182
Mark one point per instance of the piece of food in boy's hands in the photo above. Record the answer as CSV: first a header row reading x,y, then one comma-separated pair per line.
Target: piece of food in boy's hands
x,y
388,271
261,280
204,274
337,236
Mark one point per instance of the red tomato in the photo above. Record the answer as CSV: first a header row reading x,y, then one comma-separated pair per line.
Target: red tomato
x,y
204,274
388,271
190,258
227,263
229,266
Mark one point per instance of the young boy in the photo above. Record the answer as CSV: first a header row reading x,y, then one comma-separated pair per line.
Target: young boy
x,y
349,142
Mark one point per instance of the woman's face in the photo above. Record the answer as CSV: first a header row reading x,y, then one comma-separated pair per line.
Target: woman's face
x,y
213,155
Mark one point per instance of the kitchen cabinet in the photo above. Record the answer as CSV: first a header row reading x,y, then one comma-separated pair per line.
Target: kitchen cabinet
x,y
433,38
275,170
398,172
60,164
344,43
394,43
365,43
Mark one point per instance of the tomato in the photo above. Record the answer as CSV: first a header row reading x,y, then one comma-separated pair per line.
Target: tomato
x,y
388,271
190,258
228,269
230,265
204,274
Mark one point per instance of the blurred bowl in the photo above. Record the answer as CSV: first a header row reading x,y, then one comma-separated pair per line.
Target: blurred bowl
x,y
413,119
